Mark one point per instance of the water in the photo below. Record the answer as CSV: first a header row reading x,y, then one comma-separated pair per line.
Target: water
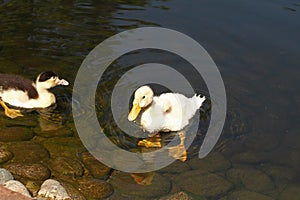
x,y
255,45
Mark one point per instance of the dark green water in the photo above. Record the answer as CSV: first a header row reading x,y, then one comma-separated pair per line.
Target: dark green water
x,y
255,45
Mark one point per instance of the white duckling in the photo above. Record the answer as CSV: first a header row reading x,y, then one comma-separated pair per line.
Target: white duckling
x,y
167,112
24,93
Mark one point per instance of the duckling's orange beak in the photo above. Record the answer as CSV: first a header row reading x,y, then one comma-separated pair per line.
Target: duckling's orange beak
x,y
62,82
134,112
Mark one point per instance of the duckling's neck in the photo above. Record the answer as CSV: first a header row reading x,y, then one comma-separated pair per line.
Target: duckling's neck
x,y
45,98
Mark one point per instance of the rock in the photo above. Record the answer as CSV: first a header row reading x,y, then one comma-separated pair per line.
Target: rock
x,y
248,157
95,188
54,190
252,179
57,132
176,167
15,134
291,193
177,196
282,176
64,146
36,172
212,163
5,176
262,141
5,155
7,194
125,186
95,167
62,167
248,195
33,187
203,183
17,187
73,192
28,152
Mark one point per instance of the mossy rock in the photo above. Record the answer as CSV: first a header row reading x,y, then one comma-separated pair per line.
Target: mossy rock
x,y
248,157
65,168
36,172
5,155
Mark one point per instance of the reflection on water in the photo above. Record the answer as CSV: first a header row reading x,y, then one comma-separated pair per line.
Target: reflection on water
x,y
255,46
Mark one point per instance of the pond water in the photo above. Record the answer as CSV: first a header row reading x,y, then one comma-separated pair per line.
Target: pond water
x,y
255,45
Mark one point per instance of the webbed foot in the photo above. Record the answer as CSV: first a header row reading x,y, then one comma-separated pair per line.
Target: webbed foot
x,y
151,142
9,112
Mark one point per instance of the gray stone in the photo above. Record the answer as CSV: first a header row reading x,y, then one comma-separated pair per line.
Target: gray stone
x,y
17,187
52,189
5,176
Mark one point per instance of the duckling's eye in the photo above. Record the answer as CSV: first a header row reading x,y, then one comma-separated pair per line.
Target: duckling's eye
x,y
53,77
143,97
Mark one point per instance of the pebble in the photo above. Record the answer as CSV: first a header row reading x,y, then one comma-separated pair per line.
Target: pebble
x,y
248,195
177,196
63,167
17,187
52,189
5,176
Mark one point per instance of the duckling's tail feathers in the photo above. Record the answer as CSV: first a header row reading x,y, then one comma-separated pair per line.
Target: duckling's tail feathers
x,y
199,100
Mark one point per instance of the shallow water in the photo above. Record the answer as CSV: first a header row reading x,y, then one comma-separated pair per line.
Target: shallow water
x,y
255,45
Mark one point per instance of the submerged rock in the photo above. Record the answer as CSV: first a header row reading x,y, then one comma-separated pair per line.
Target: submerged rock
x,y
177,196
52,189
252,179
62,167
248,195
17,187
291,193
95,188
95,167
5,155
211,163
73,192
28,152
64,146
125,186
203,183
248,157
36,172
5,176
15,134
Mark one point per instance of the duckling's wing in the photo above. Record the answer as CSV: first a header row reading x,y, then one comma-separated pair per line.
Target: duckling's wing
x,y
9,82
